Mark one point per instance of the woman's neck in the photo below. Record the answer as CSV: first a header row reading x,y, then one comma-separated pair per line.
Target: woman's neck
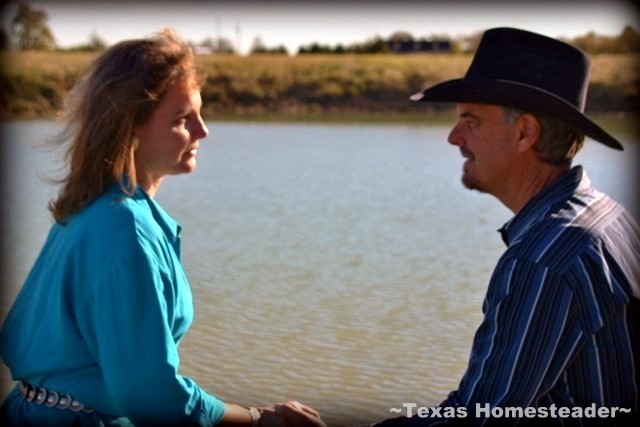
x,y
149,184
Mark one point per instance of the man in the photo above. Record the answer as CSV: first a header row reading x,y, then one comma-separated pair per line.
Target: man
x,y
560,338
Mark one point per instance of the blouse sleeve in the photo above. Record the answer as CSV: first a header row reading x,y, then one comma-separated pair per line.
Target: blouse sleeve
x,y
127,322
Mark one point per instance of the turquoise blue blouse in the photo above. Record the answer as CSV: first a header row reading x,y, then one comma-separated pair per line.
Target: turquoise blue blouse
x,y
100,317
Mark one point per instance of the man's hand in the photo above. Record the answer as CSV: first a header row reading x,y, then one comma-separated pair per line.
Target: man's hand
x,y
290,414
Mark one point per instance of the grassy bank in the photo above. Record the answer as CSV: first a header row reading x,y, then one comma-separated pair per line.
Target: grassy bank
x,y
33,84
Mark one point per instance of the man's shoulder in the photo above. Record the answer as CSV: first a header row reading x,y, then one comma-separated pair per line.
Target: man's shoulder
x,y
567,230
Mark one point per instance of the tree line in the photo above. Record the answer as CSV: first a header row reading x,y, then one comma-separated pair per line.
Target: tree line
x,y
30,31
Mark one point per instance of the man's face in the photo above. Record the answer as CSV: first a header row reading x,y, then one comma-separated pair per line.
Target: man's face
x,y
488,143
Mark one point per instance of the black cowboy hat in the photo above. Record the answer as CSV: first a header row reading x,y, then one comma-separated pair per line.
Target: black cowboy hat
x,y
527,71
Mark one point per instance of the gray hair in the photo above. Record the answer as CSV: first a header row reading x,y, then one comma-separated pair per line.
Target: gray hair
x,y
558,144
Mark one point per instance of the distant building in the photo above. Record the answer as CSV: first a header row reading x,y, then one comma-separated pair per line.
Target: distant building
x,y
419,46
202,50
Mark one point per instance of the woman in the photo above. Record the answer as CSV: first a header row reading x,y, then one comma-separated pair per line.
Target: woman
x,y
92,337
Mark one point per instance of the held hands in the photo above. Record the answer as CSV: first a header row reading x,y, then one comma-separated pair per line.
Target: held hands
x,y
290,414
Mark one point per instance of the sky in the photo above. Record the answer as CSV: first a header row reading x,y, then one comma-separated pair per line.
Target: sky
x,y
330,22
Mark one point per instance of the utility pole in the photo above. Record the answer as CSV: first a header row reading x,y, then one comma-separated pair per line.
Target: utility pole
x,y
238,38
218,36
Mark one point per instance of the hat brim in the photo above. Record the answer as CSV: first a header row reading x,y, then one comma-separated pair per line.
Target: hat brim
x,y
516,95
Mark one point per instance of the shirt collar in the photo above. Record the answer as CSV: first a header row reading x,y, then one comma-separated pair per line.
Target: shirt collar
x,y
169,226
576,180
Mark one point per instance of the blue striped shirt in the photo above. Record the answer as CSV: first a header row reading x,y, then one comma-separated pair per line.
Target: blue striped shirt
x,y
561,320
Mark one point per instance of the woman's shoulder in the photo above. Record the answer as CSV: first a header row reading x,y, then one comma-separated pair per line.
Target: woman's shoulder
x,y
113,207
115,213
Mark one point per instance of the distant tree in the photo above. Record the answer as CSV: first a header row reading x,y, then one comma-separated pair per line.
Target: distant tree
x,y
258,46
315,47
280,49
629,40
589,42
340,49
96,43
30,28
401,36
208,43
218,45
374,45
223,45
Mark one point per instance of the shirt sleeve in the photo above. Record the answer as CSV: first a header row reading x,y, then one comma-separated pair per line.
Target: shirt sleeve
x,y
529,333
127,323
519,348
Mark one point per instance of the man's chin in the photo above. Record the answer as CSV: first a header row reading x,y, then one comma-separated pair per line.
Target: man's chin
x,y
468,182
471,183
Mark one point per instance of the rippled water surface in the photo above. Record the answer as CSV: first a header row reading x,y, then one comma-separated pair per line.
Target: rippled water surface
x,y
340,265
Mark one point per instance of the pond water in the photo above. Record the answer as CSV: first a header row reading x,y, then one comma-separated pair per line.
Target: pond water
x,y
340,265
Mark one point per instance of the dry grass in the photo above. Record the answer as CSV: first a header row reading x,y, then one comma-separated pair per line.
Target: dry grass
x,y
612,70
45,63
33,83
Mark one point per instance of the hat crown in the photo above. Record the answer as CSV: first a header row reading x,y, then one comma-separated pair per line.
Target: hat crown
x,y
531,59
527,71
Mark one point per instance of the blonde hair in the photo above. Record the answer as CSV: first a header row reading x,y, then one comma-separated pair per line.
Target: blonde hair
x,y
118,92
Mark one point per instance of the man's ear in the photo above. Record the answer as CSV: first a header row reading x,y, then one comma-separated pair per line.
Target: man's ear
x,y
529,131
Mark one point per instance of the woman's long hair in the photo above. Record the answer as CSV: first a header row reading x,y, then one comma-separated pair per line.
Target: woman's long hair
x,y
118,92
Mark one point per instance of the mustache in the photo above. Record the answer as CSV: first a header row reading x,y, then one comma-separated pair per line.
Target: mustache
x,y
467,154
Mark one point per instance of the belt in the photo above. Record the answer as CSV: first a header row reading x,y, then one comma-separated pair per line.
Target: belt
x,y
51,399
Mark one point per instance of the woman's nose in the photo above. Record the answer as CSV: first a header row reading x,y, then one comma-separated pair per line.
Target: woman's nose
x,y
201,131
